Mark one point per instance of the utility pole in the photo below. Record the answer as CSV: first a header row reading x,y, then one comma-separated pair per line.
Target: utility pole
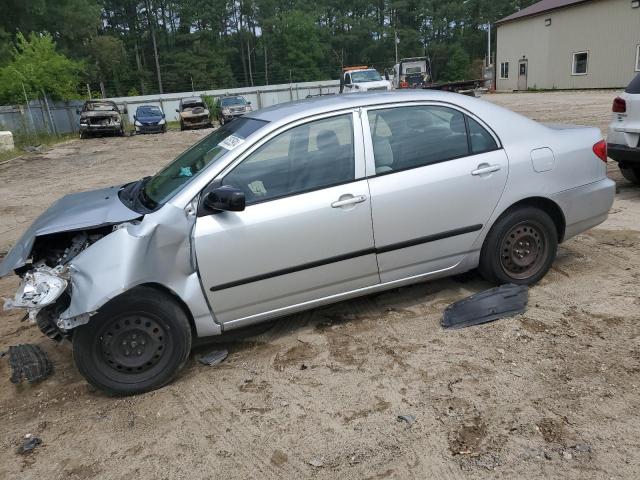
x,y
266,76
193,90
89,91
155,46
249,62
396,40
489,47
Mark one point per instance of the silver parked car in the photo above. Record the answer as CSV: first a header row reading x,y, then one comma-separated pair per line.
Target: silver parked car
x,y
300,205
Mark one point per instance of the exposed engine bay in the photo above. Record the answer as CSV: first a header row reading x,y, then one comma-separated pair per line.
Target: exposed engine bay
x,y
44,290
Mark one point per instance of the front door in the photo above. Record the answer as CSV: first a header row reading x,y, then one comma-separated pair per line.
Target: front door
x,y
436,177
306,232
523,68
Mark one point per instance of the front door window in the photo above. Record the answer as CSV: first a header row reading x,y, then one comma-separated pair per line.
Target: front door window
x,y
308,157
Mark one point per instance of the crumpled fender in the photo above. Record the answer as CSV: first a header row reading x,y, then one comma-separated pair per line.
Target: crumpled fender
x,y
136,254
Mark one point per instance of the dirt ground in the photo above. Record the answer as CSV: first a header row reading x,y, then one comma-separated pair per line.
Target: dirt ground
x,y
553,393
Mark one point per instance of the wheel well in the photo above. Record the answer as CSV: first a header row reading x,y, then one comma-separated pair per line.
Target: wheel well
x,y
166,291
550,207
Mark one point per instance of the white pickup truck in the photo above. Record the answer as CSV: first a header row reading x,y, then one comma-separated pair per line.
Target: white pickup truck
x,y
623,140
362,79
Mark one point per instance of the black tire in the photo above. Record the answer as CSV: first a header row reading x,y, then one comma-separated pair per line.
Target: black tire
x,y
181,126
84,135
632,174
137,342
520,247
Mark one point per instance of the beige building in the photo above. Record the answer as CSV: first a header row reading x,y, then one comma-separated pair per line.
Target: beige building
x,y
568,44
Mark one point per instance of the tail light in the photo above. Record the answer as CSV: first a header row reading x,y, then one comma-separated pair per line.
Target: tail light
x,y
600,149
619,105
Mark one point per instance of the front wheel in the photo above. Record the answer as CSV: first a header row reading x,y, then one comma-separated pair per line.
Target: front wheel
x,y
520,247
136,343
632,174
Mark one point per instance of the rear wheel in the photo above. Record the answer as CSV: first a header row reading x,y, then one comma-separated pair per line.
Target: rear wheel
x,y
632,174
136,343
520,247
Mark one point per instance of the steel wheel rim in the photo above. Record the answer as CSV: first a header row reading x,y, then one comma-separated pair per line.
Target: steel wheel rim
x,y
523,250
133,344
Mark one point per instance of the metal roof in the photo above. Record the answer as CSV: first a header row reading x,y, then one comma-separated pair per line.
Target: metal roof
x,y
540,8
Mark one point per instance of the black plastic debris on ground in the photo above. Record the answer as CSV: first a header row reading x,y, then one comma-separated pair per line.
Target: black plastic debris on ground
x,y
30,363
29,442
501,302
213,358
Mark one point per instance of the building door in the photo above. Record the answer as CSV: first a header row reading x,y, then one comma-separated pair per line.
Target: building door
x,y
522,74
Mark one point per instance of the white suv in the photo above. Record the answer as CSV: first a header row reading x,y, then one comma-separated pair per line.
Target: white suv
x,y
623,140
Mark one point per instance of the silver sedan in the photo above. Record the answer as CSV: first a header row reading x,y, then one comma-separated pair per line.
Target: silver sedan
x,y
297,206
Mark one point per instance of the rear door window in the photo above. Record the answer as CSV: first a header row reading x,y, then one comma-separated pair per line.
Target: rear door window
x,y
410,137
480,139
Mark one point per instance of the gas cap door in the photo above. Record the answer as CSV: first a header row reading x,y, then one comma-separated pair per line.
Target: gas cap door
x,y
543,159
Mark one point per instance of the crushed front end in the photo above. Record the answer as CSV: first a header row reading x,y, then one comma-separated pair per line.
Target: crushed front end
x,y
45,289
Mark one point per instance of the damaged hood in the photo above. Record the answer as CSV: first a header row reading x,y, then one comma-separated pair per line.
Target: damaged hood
x,y
77,211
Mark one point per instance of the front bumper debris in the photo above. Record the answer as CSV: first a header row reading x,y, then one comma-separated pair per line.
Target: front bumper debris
x,y
29,362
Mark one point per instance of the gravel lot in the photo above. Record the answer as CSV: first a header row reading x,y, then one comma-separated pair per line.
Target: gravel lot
x,y
553,393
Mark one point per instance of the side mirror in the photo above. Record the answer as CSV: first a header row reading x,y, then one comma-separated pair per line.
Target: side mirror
x,y
77,111
225,198
125,111
386,76
163,115
177,110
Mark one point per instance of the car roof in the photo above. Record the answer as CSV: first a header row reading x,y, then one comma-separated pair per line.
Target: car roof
x,y
191,100
329,103
149,106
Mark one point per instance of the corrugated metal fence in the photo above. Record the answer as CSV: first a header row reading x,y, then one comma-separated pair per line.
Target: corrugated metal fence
x,y
61,117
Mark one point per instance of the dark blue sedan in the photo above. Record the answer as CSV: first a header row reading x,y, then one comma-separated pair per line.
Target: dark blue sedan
x,y
149,119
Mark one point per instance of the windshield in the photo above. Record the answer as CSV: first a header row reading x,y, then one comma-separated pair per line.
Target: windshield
x,y
365,76
166,183
101,106
151,111
227,102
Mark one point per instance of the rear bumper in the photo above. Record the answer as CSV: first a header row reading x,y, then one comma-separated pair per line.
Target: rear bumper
x,y
586,206
624,154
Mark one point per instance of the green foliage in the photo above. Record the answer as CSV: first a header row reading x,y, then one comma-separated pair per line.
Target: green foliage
x,y
205,44
38,67
212,105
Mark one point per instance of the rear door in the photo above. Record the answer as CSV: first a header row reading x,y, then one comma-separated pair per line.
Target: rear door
x,y
435,175
306,232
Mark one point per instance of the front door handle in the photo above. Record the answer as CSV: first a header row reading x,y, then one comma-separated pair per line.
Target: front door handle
x,y
351,200
485,168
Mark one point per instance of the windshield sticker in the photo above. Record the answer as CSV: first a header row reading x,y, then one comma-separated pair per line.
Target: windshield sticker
x,y
231,142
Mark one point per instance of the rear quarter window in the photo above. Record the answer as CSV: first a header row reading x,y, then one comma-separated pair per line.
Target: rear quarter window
x,y
634,86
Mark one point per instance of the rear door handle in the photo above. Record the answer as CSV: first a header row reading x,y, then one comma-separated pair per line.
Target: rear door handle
x,y
348,201
484,169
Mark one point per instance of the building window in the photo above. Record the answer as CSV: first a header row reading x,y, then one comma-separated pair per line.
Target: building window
x,y
504,70
580,62
637,58
547,22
